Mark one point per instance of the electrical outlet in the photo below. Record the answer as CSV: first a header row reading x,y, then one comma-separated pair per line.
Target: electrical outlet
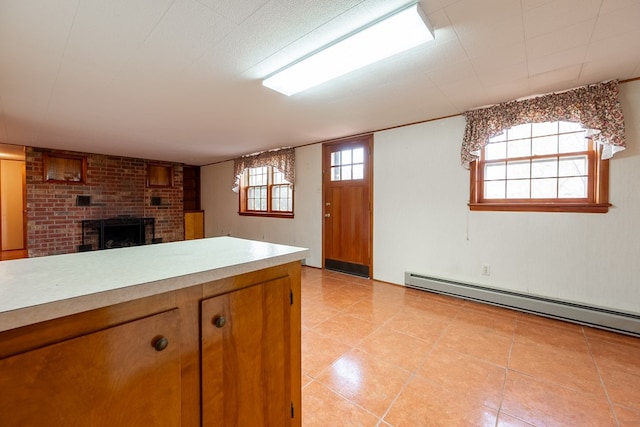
x,y
486,270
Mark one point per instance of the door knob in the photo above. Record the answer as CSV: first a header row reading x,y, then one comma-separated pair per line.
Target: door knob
x,y
219,321
160,343
327,215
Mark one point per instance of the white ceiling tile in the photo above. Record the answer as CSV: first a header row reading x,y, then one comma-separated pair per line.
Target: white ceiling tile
x,y
557,60
560,40
532,4
464,95
625,46
108,34
620,21
486,11
558,14
555,80
506,91
481,40
186,31
234,11
500,58
597,71
503,74
452,72
613,5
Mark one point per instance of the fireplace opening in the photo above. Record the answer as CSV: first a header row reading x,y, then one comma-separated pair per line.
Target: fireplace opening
x,y
121,236
119,232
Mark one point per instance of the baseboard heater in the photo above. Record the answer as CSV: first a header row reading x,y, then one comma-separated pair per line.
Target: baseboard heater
x,y
617,321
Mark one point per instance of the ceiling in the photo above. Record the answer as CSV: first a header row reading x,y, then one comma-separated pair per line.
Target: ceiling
x,y
181,80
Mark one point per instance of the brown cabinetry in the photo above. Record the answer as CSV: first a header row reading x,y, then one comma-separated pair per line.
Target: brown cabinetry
x,y
231,357
246,379
193,225
113,377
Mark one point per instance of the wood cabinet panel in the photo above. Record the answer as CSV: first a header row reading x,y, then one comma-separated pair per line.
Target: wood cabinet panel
x,y
194,225
114,377
246,356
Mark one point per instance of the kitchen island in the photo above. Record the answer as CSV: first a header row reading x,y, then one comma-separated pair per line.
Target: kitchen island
x,y
201,332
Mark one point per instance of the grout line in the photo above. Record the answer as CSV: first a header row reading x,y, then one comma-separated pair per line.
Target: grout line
x,y
604,387
506,372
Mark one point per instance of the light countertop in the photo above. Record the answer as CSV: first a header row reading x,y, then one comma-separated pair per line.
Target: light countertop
x,y
37,289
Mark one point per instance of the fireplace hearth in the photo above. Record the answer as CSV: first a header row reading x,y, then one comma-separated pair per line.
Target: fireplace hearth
x,y
119,232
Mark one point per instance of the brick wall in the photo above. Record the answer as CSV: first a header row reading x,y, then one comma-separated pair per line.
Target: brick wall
x,y
117,187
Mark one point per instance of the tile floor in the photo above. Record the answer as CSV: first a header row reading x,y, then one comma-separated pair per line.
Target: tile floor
x,y
375,354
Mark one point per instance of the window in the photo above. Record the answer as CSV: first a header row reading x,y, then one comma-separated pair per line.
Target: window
x,y
347,165
551,166
265,191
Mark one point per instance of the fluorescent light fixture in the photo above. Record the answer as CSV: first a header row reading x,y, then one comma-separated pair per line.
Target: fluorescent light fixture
x,y
391,34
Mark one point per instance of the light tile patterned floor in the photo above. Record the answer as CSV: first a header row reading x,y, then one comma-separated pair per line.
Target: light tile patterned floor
x,y
375,354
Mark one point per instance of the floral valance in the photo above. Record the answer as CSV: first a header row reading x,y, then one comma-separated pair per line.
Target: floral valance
x,y
596,107
283,159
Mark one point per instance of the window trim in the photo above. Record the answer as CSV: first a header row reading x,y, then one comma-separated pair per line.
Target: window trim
x,y
597,200
242,200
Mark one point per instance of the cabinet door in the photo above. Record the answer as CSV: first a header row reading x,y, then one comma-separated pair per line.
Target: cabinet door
x,y
193,225
114,377
246,353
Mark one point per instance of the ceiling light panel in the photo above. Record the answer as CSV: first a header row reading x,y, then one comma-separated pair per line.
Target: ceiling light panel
x,y
406,28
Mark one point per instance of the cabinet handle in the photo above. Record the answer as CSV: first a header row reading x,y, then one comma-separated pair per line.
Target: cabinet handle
x,y
219,321
160,343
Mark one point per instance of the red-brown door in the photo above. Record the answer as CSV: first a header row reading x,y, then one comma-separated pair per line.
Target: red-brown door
x,y
347,177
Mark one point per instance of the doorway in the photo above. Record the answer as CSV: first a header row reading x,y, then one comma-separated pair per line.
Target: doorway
x,y
347,200
12,202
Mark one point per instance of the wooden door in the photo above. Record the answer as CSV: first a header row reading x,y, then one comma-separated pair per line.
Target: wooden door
x,y
347,193
246,356
113,377
12,208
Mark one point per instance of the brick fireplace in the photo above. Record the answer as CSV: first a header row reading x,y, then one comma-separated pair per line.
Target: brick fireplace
x,y
114,187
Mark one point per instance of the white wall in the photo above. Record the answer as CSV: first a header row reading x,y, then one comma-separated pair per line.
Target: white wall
x,y
304,230
422,222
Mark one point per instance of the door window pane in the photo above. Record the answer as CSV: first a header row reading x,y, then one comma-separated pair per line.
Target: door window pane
x,y
347,164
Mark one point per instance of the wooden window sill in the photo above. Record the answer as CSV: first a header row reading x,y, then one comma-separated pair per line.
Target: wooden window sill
x,y
542,207
268,214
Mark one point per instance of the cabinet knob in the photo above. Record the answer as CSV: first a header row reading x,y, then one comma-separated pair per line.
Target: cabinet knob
x,y
160,343
219,321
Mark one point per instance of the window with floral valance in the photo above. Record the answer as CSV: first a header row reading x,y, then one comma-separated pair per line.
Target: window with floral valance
x,y
545,154
283,159
596,107
264,182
